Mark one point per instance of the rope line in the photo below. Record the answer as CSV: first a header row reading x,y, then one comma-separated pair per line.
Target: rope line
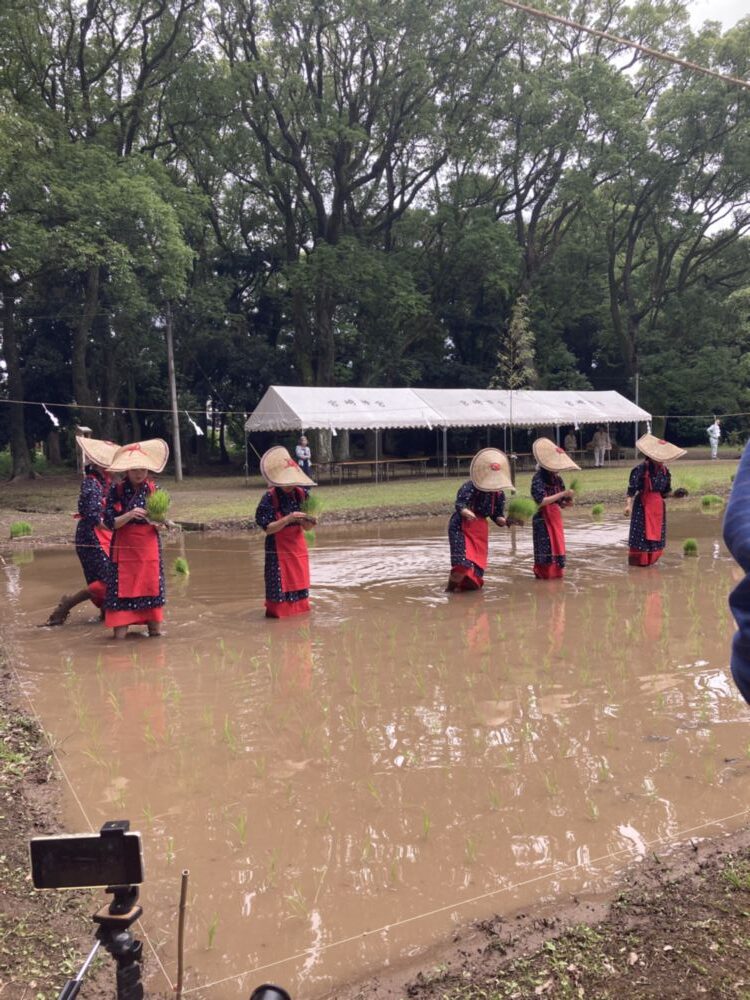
x,y
628,43
435,424
566,869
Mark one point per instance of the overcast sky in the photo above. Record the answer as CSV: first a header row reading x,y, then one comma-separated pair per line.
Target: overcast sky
x,y
728,12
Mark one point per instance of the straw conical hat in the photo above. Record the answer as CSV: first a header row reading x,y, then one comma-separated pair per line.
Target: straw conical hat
x,y
490,470
658,450
151,455
278,468
97,452
552,458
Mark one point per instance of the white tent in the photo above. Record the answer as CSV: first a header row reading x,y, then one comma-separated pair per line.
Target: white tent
x,y
289,408
296,408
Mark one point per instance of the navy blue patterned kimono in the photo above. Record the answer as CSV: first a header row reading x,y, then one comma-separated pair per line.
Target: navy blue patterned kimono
x,y
646,551
132,610
92,538
546,566
460,531
275,503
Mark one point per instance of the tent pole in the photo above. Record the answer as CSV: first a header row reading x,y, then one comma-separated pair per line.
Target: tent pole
x,y
445,451
557,435
247,460
377,434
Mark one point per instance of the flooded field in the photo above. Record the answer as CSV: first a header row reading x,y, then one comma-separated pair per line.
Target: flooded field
x,y
347,788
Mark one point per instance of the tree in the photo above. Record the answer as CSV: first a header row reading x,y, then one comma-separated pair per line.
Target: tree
x,y
515,357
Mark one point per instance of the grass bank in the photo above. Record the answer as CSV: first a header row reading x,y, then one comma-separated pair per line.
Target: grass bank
x,y
231,501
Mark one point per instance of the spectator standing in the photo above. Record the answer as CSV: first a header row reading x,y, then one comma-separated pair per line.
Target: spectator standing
x,y
570,443
602,445
304,456
714,436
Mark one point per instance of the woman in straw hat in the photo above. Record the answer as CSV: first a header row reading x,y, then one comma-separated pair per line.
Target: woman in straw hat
x,y
649,483
480,498
135,586
280,515
93,538
549,493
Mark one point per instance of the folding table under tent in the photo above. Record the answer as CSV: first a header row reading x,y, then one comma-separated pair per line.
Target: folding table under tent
x,y
299,408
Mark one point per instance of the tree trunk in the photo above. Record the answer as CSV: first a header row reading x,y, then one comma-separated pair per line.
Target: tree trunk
x,y
342,446
19,446
53,448
79,353
322,450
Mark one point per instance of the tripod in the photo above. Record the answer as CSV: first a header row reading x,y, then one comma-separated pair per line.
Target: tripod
x,y
114,934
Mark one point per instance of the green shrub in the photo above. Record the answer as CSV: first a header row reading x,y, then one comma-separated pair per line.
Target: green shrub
x,y
157,505
711,500
20,528
690,547
598,509
181,566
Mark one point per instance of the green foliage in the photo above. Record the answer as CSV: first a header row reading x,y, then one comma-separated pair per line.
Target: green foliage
x,y
710,500
515,357
181,566
690,547
19,529
522,508
157,505
598,509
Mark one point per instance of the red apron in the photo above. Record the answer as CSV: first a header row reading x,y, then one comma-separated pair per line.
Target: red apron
x,y
476,540
552,517
136,553
653,510
553,521
291,550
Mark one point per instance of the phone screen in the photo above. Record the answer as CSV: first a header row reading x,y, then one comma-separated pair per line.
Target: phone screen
x,y
86,860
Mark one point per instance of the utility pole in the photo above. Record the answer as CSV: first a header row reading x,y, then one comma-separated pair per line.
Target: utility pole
x,y
176,450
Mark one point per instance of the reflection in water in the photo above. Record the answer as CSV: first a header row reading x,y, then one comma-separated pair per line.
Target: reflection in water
x,y
398,752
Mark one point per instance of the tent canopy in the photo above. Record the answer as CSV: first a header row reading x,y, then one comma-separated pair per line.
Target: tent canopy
x,y
296,408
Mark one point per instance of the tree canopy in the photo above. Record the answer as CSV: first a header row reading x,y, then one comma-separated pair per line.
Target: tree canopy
x,y
366,193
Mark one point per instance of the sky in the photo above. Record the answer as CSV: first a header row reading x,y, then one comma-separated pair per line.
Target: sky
x,y
729,12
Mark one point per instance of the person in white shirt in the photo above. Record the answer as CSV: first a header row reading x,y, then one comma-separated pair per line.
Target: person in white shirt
x,y
602,444
304,456
714,436
570,444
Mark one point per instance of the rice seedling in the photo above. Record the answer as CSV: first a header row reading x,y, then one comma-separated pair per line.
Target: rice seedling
x,y
239,825
213,927
157,506
297,902
426,824
470,850
373,790
23,558
598,509
115,704
593,809
690,547
170,854
229,736
710,501
181,566
19,529
575,485
520,509
148,814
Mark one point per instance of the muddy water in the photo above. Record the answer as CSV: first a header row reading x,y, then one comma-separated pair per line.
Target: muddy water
x,y
345,789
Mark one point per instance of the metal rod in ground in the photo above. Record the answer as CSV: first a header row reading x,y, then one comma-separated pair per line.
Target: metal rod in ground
x,y
181,933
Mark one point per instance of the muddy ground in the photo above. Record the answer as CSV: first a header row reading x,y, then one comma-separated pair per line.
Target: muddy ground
x,y
43,935
678,927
